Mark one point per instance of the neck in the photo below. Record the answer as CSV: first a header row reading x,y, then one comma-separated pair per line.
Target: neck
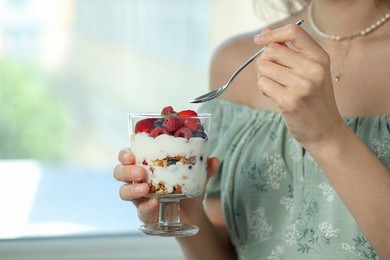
x,y
344,17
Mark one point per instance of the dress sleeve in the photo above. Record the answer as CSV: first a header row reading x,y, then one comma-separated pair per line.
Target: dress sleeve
x,y
375,132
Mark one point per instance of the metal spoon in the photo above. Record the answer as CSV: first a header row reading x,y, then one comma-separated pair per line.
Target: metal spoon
x,y
215,93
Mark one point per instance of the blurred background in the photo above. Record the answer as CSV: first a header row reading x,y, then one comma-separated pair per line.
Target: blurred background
x,y
70,72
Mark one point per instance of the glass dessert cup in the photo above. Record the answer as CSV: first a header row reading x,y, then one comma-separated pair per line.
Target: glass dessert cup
x,y
175,162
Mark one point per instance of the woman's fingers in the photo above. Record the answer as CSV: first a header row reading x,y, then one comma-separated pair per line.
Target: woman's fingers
x,y
293,34
283,55
135,191
126,157
129,173
273,90
148,211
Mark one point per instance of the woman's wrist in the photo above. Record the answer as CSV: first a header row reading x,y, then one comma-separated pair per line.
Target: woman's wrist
x,y
332,144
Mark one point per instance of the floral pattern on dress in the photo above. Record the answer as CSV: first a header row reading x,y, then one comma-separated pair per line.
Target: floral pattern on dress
x,y
305,235
266,175
382,150
275,170
327,191
288,201
258,225
307,238
276,200
253,177
359,246
276,254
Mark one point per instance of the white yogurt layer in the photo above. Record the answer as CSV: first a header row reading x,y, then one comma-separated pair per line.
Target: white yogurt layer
x,y
191,178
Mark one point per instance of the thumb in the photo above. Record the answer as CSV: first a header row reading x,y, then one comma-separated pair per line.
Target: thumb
x,y
213,164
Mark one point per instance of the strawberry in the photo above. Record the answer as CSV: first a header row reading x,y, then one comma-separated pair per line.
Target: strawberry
x,y
187,113
158,131
183,132
144,125
172,123
168,111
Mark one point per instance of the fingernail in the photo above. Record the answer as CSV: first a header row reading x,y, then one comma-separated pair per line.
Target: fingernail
x,y
127,157
139,189
259,37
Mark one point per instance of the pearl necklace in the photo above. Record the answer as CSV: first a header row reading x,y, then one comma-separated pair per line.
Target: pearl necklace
x,y
363,32
348,38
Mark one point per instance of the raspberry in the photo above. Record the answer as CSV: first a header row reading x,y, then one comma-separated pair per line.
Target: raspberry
x,y
158,131
168,111
172,123
191,123
186,117
145,125
183,132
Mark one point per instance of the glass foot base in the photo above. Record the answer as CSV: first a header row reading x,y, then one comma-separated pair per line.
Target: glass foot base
x,y
181,230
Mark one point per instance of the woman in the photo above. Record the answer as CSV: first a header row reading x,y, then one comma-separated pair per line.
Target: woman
x,y
305,161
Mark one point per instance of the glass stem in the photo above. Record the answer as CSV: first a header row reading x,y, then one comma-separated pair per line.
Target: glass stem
x,y
169,212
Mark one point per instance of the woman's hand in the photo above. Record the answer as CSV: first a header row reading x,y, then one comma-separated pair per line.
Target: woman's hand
x,y
135,188
298,79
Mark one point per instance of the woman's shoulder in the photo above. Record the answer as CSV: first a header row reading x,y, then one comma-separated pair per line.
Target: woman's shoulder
x,y
235,50
229,56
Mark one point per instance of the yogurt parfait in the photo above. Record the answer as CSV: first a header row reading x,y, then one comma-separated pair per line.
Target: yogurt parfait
x,y
173,148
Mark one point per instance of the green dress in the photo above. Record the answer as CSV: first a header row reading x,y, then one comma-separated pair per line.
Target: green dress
x,y
276,201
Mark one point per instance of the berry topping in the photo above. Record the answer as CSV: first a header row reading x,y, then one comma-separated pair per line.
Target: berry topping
x,y
183,132
172,123
145,125
199,133
200,127
186,117
168,111
158,131
191,123
158,123
187,113
184,124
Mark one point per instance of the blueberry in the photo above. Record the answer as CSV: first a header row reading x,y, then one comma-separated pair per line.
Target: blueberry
x,y
201,158
158,123
190,167
199,133
172,162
